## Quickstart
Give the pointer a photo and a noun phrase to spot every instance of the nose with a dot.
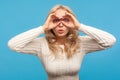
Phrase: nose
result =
(61, 24)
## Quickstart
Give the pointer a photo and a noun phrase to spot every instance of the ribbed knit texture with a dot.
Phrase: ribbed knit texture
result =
(61, 68)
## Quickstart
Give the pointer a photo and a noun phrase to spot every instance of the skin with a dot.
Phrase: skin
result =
(60, 22)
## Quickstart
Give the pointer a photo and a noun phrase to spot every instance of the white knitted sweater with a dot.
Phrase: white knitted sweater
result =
(61, 68)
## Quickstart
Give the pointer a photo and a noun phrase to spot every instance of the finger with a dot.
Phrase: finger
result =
(75, 21)
(48, 21)
(49, 18)
(71, 15)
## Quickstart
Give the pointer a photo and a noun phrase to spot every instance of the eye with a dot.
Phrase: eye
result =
(56, 20)
(66, 20)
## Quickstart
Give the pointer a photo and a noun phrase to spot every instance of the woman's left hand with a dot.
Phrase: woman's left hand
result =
(75, 22)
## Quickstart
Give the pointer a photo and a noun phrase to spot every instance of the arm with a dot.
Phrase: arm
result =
(96, 39)
(26, 42)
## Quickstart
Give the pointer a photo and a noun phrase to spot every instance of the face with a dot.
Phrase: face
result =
(61, 21)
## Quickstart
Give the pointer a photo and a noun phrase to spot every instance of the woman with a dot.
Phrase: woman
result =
(62, 49)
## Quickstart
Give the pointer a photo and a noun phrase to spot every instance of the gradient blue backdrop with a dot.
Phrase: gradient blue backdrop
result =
(17, 16)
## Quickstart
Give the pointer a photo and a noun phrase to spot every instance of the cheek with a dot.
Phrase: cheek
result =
(55, 31)
(66, 30)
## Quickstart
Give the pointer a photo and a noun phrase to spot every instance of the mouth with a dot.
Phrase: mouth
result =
(60, 31)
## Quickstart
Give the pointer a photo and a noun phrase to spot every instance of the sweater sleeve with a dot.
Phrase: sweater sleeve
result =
(26, 42)
(95, 39)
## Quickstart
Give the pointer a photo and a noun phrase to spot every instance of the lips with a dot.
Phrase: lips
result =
(60, 31)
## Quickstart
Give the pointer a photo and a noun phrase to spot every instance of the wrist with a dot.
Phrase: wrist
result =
(44, 28)
(41, 28)
(80, 27)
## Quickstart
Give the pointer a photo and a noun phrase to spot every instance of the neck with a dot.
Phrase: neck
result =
(61, 40)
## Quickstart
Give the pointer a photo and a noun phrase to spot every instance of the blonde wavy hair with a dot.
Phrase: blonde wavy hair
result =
(71, 42)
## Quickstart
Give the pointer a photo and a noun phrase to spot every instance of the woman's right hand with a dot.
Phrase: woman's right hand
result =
(49, 23)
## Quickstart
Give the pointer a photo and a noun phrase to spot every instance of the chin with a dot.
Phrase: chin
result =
(61, 35)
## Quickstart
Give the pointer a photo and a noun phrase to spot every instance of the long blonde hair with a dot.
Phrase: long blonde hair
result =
(72, 41)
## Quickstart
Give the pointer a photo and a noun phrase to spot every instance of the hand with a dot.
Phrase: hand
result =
(68, 22)
(74, 20)
(49, 23)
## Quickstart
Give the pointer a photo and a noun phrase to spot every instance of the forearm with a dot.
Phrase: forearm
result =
(103, 38)
(24, 38)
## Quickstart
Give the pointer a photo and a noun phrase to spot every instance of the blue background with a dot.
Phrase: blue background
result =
(17, 16)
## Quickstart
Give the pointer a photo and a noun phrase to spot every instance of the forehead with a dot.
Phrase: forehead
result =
(60, 13)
